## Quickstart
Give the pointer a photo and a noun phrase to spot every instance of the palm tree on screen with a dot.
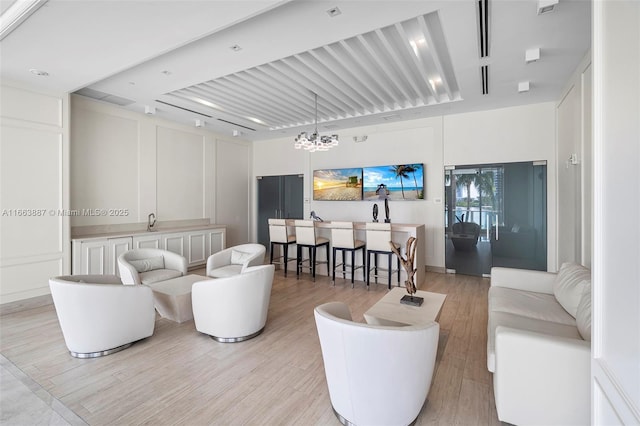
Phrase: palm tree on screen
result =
(400, 172)
(413, 168)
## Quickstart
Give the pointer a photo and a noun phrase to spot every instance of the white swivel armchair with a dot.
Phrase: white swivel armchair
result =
(234, 308)
(100, 316)
(376, 375)
(149, 265)
(234, 260)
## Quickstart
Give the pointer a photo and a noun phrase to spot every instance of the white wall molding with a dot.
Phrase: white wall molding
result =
(34, 152)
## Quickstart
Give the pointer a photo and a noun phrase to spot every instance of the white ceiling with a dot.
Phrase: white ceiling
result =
(360, 63)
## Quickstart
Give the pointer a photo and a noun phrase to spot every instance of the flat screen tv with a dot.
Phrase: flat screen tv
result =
(337, 184)
(395, 182)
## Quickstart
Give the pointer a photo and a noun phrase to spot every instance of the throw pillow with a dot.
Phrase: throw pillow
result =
(583, 315)
(239, 257)
(569, 285)
(150, 264)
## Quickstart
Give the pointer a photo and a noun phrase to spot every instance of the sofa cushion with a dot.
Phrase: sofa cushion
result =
(225, 271)
(583, 314)
(158, 275)
(528, 304)
(240, 257)
(569, 285)
(146, 265)
(523, 323)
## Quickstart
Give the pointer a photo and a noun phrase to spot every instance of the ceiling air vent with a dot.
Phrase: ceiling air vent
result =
(484, 71)
(102, 96)
(182, 108)
(483, 27)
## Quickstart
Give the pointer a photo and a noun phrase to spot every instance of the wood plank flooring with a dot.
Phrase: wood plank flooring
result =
(179, 376)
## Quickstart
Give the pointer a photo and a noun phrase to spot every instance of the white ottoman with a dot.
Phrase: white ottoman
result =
(172, 298)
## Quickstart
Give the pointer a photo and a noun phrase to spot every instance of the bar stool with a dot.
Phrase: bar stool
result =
(306, 237)
(279, 235)
(343, 238)
(378, 239)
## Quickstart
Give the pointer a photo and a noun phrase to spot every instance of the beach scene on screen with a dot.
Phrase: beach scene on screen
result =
(337, 184)
(394, 182)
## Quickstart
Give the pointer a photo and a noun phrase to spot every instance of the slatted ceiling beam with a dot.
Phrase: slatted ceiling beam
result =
(419, 66)
(294, 87)
(322, 79)
(349, 56)
(257, 107)
(259, 92)
(354, 88)
(408, 60)
(385, 68)
(328, 54)
(279, 91)
(331, 92)
(438, 64)
(400, 96)
(396, 58)
(230, 110)
(299, 91)
(231, 102)
(332, 109)
(349, 95)
(367, 69)
(366, 74)
(341, 76)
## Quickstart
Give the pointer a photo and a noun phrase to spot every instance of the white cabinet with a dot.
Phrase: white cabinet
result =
(196, 248)
(174, 243)
(93, 257)
(100, 255)
(150, 240)
(117, 246)
(216, 241)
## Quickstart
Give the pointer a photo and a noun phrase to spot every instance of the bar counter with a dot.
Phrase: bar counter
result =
(400, 233)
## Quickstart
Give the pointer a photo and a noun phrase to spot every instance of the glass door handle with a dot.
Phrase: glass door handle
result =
(497, 235)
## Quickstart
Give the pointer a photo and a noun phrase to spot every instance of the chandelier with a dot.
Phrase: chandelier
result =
(315, 142)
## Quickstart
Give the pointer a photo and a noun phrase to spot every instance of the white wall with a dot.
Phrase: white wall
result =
(417, 141)
(524, 133)
(574, 180)
(143, 164)
(616, 239)
(34, 191)
(505, 135)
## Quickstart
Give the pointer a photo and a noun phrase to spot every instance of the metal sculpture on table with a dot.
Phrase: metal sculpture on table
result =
(408, 265)
(386, 211)
(315, 217)
(375, 212)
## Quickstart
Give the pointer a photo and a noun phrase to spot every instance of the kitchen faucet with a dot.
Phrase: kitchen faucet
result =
(151, 222)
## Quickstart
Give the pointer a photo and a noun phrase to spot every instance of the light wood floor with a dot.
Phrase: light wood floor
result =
(179, 376)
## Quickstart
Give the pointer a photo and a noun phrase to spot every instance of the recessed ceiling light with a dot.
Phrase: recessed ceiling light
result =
(415, 43)
(334, 11)
(257, 120)
(532, 55)
(236, 48)
(39, 72)
(204, 102)
(545, 6)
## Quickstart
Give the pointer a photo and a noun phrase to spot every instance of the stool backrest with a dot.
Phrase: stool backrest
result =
(306, 232)
(342, 234)
(378, 236)
(278, 231)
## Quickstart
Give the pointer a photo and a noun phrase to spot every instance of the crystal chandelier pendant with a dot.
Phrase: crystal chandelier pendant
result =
(315, 142)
